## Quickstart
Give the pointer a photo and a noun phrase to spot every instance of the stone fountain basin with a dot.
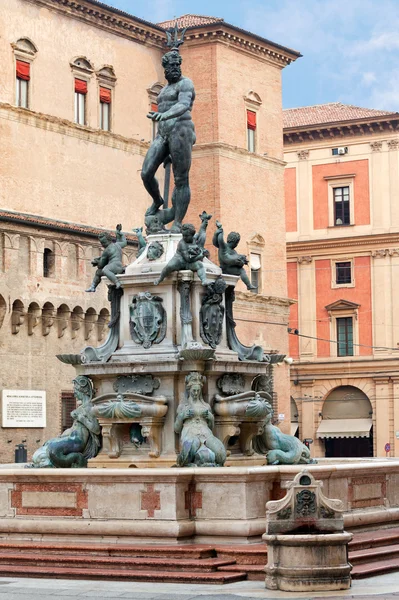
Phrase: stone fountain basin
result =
(308, 562)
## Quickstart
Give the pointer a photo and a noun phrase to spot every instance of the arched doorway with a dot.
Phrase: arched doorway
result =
(346, 426)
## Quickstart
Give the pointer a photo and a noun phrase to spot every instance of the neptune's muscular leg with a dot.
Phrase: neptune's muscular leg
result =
(181, 142)
(155, 156)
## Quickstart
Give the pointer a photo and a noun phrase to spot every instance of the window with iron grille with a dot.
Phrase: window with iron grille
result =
(68, 404)
(345, 336)
(341, 206)
(343, 272)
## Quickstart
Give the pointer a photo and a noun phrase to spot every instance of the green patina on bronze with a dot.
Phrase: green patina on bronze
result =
(79, 443)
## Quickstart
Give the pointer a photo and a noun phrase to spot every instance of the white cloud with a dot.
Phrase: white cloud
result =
(368, 78)
(350, 54)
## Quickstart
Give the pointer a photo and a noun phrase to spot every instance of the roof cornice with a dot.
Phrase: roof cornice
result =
(106, 17)
(362, 243)
(221, 31)
(119, 22)
(340, 129)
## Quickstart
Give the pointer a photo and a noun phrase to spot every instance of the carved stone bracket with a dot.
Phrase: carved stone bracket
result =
(393, 144)
(303, 154)
(381, 253)
(152, 430)
(376, 146)
(304, 259)
(226, 428)
(48, 316)
(112, 441)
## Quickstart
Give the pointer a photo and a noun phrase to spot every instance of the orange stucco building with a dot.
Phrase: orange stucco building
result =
(341, 194)
(77, 80)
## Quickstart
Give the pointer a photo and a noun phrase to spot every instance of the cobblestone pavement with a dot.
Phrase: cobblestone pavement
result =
(375, 588)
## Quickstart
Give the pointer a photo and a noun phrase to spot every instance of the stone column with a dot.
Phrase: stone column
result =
(379, 192)
(382, 413)
(307, 307)
(304, 195)
(393, 146)
(394, 331)
(395, 448)
(382, 302)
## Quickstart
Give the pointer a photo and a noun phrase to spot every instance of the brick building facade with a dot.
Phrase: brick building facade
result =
(342, 183)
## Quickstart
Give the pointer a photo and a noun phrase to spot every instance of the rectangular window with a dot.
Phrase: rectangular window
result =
(80, 101)
(105, 109)
(345, 336)
(341, 206)
(22, 84)
(255, 266)
(343, 272)
(251, 129)
(68, 404)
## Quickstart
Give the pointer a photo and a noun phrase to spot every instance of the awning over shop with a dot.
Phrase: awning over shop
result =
(344, 428)
(294, 428)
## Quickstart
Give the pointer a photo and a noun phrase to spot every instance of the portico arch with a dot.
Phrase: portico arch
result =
(346, 426)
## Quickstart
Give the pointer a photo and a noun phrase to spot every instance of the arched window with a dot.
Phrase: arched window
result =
(48, 263)
(106, 81)
(82, 70)
(24, 52)
(252, 104)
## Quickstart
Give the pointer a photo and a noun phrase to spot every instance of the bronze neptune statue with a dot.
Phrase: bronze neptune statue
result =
(174, 142)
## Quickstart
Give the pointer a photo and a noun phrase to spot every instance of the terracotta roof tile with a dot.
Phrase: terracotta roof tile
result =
(328, 113)
(189, 21)
(53, 224)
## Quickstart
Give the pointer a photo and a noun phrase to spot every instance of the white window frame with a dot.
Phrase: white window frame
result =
(105, 107)
(338, 182)
(22, 93)
(252, 262)
(80, 108)
(251, 139)
(343, 314)
(334, 284)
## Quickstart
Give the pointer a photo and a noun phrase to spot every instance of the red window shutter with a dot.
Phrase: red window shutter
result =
(251, 120)
(80, 86)
(105, 95)
(23, 70)
(154, 107)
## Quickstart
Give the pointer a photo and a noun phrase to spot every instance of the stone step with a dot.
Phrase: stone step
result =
(253, 572)
(114, 562)
(97, 549)
(369, 555)
(251, 554)
(370, 539)
(375, 568)
(217, 577)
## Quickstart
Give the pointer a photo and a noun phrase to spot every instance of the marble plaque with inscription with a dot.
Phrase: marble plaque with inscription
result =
(24, 408)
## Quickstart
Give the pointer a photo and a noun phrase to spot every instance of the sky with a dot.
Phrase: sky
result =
(350, 48)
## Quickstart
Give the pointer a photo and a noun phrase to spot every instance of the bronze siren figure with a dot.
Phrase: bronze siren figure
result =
(173, 142)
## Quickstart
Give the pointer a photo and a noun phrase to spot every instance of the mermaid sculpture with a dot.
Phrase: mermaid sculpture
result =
(279, 447)
(80, 442)
(194, 422)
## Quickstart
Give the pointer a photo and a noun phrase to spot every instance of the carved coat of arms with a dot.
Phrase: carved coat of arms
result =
(147, 319)
(212, 313)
